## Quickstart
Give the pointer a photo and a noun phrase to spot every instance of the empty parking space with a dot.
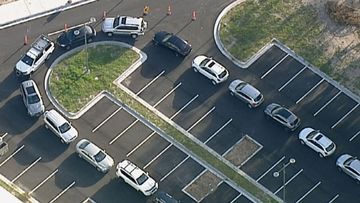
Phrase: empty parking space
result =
(225, 139)
(223, 193)
(349, 124)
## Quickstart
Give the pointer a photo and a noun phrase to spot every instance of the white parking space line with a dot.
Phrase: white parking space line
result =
(308, 92)
(291, 79)
(222, 127)
(62, 192)
(273, 166)
(158, 155)
(354, 136)
(272, 68)
(11, 155)
(171, 91)
(182, 108)
(193, 180)
(327, 103)
(42, 182)
(341, 119)
(237, 197)
(87, 200)
(26, 169)
(151, 82)
(124, 131)
(292, 178)
(3, 136)
(308, 192)
(198, 121)
(104, 121)
(172, 170)
(334, 198)
(141, 143)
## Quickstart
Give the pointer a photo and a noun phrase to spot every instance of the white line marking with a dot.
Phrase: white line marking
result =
(26, 169)
(345, 116)
(307, 93)
(193, 180)
(3, 136)
(104, 121)
(327, 103)
(273, 166)
(87, 200)
(251, 156)
(141, 143)
(11, 155)
(172, 170)
(158, 155)
(124, 131)
(308, 192)
(334, 198)
(353, 137)
(42, 182)
(153, 80)
(62, 192)
(222, 127)
(291, 79)
(292, 178)
(171, 91)
(182, 108)
(237, 197)
(267, 72)
(198, 121)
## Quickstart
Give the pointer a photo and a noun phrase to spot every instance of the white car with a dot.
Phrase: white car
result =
(136, 177)
(60, 126)
(210, 69)
(350, 165)
(94, 155)
(124, 25)
(317, 141)
(246, 93)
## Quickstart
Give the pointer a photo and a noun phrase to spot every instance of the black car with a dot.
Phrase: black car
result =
(163, 197)
(76, 36)
(173, 42)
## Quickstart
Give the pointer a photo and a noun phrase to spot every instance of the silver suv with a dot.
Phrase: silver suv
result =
(350, 165)
(283, 116)
(32, 98)
(317, 141)
(124, 25)
(246, 93)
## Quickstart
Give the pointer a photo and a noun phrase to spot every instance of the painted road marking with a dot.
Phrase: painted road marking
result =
(157, 156)
(42, 182)
(272, 68)
(353, 137)
(182, 108)
(237, 197)
(88, 200)
(141, 143)
(222, 127)
(3, 136)
(164, 97)
(291, 79)
(327, 103)
(172, 170)
(341, 119)
(308, 192)
(26, 169)
(62, 192)
(11, 155)
(187, 185)
(199, 120)
(292, 178)
(124, 131)
(273, 166)
(104, 121)
(152, 81)
(334, 198)
(307, 93)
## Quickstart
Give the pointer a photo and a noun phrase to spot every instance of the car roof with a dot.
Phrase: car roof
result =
(55, 116)
(128, 20)
(132, 169)
(355, 164)
(250, 91)
(91, 148)
(216, 68)
(29, 87)
(180, 43)
(322, 139)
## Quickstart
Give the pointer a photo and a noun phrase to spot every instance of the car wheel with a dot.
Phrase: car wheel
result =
(213, 82)
(302, 142)
(339, 168)
(155, 42)
(358, 182)
(62, 141)
(97, 168)
(134, 36)
(90, 39)
(249, 105)
(321, 155)
(67, 47)
(79, 155)
(46, 126)
(231, 93)
(176, 54)
(195, 70)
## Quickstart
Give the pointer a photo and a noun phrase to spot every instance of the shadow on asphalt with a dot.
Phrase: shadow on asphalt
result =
(8, 86)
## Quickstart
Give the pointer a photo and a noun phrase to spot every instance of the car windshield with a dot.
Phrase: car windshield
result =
(64, 127)
(142, 179)
(27, 60)
(167, 37)
(100, 156)
(348, 161)
(312, 134)
(33, 99)
(283, 112)
(222, 74)
(116, 21)
(295, 121)
(258, 98)
(330, 147)
(240, 86)
(205, 61)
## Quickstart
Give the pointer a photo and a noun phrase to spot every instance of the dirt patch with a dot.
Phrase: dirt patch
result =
(242, 151)
(203, 185)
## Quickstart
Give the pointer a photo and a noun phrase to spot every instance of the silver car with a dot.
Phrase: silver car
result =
(246, 93)
(283, 116)
(317, 141)
(32, 98)
(350, 165)
(94, 155)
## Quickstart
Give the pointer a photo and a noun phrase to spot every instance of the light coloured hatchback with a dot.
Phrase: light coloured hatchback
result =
(317, 141)
(60, 126)
(94, 155)
(32, 98)
(350, 165)
(283, 116)
(246, 93)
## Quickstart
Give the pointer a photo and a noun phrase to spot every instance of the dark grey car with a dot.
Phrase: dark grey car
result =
(283, 116)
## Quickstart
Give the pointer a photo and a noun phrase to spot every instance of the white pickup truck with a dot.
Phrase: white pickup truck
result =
(40, 50)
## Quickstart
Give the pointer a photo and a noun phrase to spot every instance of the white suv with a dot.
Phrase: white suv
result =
(210, 69)
(317, 141)
(124, 25)
(136, 177)
(60, 126)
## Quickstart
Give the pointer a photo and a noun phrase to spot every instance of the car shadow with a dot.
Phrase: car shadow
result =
(8, 86)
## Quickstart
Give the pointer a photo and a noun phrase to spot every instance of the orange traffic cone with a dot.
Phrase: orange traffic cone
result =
(25, 39)
(146, 10)
(193, 16)
(65, 27)
(168, 11)
(104, 15)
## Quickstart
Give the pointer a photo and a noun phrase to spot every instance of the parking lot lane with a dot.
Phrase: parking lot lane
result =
(267, 60)
(315, 194)
(48, 190)
(301, 85)
(175, 103)
(349, 124)
(241, 199)
(166, 162)
(225, 139)
(72, 194)
(223, 193)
